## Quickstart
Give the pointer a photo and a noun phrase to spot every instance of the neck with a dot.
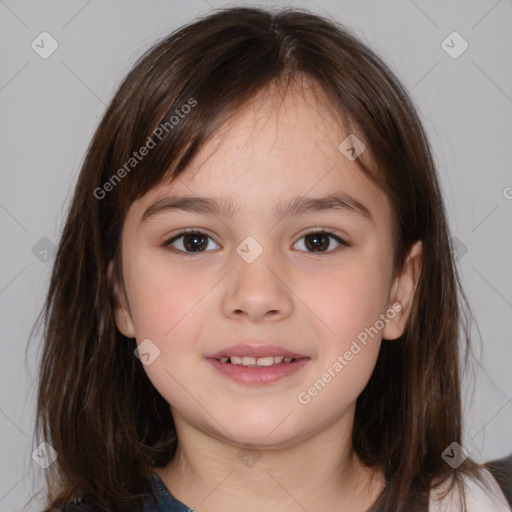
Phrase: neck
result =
(213, 475)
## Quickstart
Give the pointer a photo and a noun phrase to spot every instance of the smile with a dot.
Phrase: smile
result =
(256, 371)
(256, 362)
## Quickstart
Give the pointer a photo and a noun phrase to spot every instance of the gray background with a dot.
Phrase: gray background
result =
(50, 108)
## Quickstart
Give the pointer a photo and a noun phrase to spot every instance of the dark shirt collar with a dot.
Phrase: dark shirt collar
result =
(163, 500)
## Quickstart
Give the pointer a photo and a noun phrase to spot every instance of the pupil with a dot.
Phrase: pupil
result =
(195, 238)
(316, 240)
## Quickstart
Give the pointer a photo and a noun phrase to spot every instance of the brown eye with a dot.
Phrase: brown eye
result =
(190, 241)
(194, 242)
(317, 242)
(320, 241)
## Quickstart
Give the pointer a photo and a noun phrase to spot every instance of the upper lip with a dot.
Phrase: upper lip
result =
(255, 350)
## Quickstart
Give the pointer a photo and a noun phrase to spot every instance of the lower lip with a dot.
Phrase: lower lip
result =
(254, 375)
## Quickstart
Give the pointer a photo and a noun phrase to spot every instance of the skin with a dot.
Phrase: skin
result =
(314, 303)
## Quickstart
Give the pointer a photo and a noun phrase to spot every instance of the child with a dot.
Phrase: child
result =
(254, 304)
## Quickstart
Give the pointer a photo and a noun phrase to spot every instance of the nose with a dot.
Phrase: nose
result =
(259, 290)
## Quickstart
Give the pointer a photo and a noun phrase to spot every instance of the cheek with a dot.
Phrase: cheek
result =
(163, 298)
(349, 304)
(348, 357)
(163, 304)
(349, 301)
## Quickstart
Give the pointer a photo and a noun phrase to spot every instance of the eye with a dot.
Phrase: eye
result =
(319, 240)
(193, 241)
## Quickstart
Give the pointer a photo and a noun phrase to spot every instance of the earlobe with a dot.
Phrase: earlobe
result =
(403, 292)
(122, 315)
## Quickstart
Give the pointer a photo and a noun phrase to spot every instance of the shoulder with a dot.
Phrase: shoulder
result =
(72, 508)
(487, 497)
(75, 507)
(157, 498)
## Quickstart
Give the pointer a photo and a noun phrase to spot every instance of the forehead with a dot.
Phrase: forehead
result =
(281, 144)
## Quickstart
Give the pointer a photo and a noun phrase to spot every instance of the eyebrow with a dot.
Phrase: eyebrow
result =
(224, 207)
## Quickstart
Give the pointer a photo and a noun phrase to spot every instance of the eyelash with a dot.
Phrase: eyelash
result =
(180, 234)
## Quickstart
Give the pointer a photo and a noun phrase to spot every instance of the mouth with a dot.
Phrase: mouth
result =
(257, 362)
(253, 364)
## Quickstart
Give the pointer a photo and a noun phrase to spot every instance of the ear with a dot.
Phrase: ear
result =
(402, 293)
(122, 315)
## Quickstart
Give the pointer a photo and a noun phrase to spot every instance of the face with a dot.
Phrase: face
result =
(310, 281)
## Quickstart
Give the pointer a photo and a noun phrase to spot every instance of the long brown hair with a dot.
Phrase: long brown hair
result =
(96, 406)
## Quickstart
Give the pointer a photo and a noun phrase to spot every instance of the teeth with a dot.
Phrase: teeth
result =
(246, 361)
(256, 361)
(264, 361)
